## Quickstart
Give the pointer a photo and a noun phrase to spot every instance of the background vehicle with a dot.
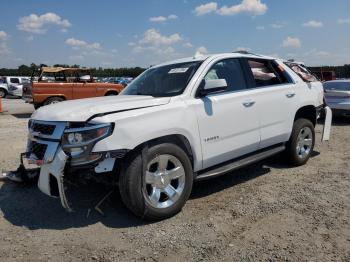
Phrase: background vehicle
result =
(326, 75)
(56, 84)
(337, 95)
(12, 85)
(179, 122)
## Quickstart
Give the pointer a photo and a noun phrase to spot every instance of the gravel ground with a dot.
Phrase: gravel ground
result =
(267, 212)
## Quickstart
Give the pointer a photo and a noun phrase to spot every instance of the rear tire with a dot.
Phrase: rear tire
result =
(3, 93)
(164, 188)
(301, 143)
(53, 100)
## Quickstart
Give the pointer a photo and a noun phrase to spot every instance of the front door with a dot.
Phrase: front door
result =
(228, 121)
(84, 90)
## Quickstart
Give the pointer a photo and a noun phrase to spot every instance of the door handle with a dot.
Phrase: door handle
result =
(290, 95)
(248, 103)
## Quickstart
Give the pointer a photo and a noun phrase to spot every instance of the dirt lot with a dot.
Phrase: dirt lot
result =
(264, 212)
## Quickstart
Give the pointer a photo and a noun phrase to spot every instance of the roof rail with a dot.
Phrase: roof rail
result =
(244, 52)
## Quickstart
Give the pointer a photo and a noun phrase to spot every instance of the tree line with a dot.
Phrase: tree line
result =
(25, 70)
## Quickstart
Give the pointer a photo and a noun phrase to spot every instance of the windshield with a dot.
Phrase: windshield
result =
(169, 80)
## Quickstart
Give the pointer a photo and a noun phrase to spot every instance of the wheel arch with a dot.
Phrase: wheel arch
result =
(177, 139)
(307, 112)
(60, 96)
(111, 92)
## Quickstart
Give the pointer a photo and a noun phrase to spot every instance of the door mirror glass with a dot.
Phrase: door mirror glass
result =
(85, 78)
(212, 86)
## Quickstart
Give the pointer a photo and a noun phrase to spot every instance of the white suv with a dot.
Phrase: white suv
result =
(177, 123)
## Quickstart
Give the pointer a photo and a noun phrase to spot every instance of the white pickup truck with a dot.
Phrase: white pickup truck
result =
(177, 123)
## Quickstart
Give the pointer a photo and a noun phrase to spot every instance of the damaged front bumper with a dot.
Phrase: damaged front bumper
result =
(51, 178)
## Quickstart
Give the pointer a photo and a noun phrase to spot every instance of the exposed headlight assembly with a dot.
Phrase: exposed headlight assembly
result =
(78, 142)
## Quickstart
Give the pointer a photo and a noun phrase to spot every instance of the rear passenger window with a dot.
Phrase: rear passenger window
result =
(14, 80)
(231, 71)
(267, 73)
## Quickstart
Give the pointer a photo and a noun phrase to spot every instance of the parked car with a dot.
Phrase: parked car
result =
(57, 84)
(337, 95)
(177, 123)
(12, 81)
(325, 75)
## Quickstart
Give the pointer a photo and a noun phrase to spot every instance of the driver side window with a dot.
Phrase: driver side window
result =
(231, 71)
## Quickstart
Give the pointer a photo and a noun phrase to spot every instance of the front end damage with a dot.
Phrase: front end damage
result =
(59, 148)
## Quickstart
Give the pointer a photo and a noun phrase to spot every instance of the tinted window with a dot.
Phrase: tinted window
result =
(267, 73)
(14, 80)
(169, 80)
(231, 71)
(341, 86)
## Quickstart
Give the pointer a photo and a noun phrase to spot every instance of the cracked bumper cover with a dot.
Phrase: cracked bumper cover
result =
(54, 170)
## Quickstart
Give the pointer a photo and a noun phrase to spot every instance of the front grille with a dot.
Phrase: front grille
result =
(44, 129)
(38, 149)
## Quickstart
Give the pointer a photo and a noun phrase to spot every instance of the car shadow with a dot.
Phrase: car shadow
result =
(24, 204)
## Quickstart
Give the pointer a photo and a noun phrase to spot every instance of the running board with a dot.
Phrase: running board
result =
(238, 163)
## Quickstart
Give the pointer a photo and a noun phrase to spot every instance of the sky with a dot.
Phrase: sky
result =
(128, 33)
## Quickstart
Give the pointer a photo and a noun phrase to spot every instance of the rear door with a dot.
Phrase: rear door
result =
(276, 102)
(228, 121)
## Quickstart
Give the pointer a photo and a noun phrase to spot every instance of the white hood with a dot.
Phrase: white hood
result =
(82, 109)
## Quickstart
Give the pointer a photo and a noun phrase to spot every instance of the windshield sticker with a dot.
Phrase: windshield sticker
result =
(178, 70)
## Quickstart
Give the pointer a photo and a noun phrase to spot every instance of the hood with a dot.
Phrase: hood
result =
(83, 109)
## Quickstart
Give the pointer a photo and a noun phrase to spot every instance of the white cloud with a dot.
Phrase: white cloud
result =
(202, 50)
(188, 45)
(292, 42)
(3, 35)
(77, 44)
(260, 27)
(131, 44)
(206, 8)
(313, 24)
(344, 21)
(38, 23)
(156, 50)
(153, 37)
(172, 17)
(254, 7)
(277, 25)
(241, 48)
(160, 19)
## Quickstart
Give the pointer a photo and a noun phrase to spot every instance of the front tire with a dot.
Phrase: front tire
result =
(53, 100)
(301, 143)
(163, 188)
(3, 93)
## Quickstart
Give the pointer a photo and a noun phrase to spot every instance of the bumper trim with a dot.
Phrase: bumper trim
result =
(56, 169)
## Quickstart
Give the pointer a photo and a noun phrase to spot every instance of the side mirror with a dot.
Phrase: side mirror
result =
(85, 78)
(212, 86)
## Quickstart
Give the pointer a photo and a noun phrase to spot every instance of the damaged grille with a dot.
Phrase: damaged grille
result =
(38, 149)
(43, 128)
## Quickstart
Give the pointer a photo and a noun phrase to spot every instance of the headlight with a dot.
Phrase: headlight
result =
(82, 136)
(79, 142)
